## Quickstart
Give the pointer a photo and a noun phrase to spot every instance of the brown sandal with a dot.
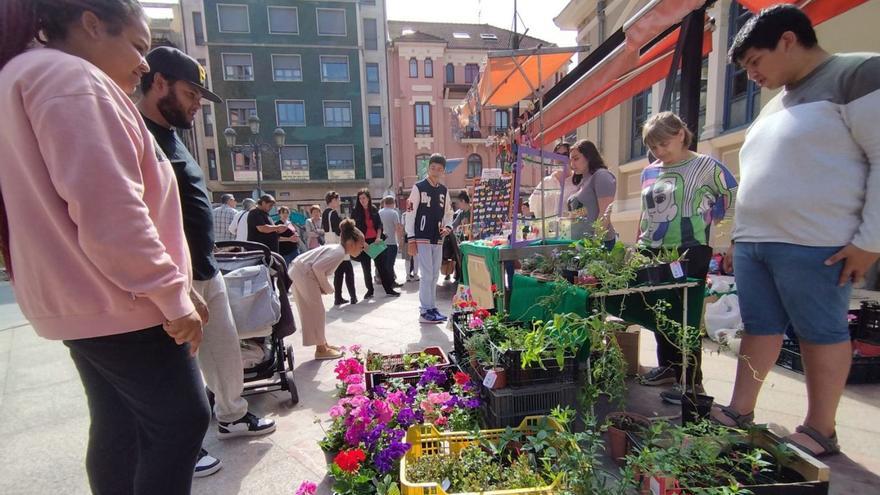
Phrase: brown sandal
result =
(742, 421)
(829, 444)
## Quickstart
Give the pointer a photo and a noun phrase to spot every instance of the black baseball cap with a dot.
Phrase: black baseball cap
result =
(175, 64)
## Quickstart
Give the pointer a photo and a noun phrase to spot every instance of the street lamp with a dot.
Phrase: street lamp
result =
(255, 146)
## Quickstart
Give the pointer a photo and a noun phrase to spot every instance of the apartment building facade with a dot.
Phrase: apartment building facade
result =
(729, 102)
(432, 67)
(314, 69)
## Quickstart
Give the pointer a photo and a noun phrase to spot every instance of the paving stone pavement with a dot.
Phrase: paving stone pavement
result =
(44, 418)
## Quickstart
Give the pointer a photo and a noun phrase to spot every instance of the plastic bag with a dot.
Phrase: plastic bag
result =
(723, 319)
(551, 189)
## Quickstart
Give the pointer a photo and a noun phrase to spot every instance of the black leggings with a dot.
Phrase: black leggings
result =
(148, 411)
(344, 270)
(668, 354)
(385, 277)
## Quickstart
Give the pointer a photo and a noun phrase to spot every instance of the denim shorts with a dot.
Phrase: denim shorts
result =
(787, 286)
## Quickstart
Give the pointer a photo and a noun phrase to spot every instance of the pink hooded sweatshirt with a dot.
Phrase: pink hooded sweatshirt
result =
(97, 241)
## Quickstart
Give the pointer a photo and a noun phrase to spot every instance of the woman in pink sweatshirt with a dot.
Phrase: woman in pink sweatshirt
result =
(92, 236)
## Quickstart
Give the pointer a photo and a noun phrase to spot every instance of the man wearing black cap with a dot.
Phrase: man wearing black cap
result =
(173, 90)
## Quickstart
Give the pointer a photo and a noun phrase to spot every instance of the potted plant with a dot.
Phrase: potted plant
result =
(621, 424)
(477, 347)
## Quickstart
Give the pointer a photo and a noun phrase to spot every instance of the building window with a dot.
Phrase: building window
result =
(212, 164)
(429, 68)
(423, 119)
(377, 163)
(371, 38)
(295, 163)
(373, 78)
(742, 97)
(208, 120)
(233, 18)
(287, 68)
(450, 74)
(239, 111)
(238, 66)
(334, 68)
(331, 22)
(340, 162)
(413, 68)
(290, 113)
(422, 165)
(283, 20)
(337, 114)
(641, 109)
(244, 162)
(675, 102)
(474, 166)
(471, 73)
(198, 28)
(375, 120)
(501, 121)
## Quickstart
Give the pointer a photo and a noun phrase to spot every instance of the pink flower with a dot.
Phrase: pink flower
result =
(350, 379)
(383, 411)
(476, 322)
(427, 406)
(355, 389)
(307, 488)
(441, 421)
(359, 401)
(396, 398)
(441, 398)
(355, 349)
(337, 411)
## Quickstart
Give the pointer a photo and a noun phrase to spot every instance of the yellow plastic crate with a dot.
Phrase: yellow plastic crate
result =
(426, 440)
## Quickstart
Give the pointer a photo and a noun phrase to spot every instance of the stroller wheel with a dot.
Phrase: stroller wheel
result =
(288, 384)
(210, 396)
(289, 350)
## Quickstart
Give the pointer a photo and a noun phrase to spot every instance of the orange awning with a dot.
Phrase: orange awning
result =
(624, 73)
(624, 70)
(818, 10)
(502, 84)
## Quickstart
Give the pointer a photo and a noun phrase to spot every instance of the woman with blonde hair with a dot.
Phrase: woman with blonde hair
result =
(310, 272)
(683, 194)
(314, 232)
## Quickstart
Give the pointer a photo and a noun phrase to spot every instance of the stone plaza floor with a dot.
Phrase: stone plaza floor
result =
(44, 417)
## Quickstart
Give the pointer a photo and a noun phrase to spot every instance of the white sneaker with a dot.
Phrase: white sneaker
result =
(206, 465)
(249, 426)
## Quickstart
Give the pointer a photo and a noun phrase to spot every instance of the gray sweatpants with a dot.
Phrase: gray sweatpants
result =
(429, 258)
(220, 354)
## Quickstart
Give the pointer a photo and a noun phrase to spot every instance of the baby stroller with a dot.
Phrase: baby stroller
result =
(275, 370)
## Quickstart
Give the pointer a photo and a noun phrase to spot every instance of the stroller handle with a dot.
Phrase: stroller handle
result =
(248, 246)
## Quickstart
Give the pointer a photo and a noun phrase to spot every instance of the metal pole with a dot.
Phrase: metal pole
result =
(258, 154)
(541, 153)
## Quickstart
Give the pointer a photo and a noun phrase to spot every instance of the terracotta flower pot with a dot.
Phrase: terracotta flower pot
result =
(621, 423)
(500, 376)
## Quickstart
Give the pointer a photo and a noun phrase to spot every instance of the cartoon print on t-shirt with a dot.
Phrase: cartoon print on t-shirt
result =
(661, 207)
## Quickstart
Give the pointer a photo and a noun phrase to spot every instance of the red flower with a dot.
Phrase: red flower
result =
(461, 377)
(350, 460)
(482, 313)
(494, 288)
(473, 304)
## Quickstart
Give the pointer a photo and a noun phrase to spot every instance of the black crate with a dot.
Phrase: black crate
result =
(535, 374)
(863, 369)
(508, 406)
(867, 325)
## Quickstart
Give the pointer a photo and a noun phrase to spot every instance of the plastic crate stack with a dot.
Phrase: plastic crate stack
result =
(864, 325)
(533, 391)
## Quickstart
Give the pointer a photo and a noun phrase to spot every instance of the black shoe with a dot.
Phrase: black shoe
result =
(206, 465)
(397, 285)
(354, 300)
(368, 295)
(248, 425)
(674, 396)
(660, 375)
(393, 293)
(340, 302)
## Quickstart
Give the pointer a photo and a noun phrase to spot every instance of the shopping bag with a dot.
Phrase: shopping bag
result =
(723, 319)
(376, 248)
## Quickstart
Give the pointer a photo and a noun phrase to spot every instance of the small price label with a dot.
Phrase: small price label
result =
(677, 272)
(655, 487)
(489, 381)
(445, 485)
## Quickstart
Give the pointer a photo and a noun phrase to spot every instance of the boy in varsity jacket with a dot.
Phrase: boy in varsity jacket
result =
(430, 219)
